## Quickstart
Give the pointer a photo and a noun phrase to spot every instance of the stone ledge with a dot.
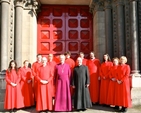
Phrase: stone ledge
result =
(136, 80)
(136, 96)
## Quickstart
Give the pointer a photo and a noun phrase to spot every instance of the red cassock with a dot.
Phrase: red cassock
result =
(104, 76)
(56, 59)
(44, 95)
(71, 63)
(26, 86)
(52, 65)
(13, 95)
(111, 90)
(84, 62)
(35, 67)
(123, 93)
(93, 66)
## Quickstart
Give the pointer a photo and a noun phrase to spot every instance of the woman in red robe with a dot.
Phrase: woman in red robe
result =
(44, 91)
(111, 90)
(13, 95)
(123, 93)
(26, 85)
(94, 66)
(104, 76)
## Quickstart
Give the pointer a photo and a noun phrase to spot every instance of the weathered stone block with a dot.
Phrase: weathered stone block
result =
(2, 84)
(136, 80)
(1, 106)
(2, 95)
(136, 96)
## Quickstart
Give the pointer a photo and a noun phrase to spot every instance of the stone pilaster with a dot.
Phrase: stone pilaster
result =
(128, 40)
(18, 31)
(25, 30)
(4, 33)
(97, 8)
(115, 36)
(120, 27)
(108, 27)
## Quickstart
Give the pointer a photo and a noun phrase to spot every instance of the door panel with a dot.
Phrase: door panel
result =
(64, 28)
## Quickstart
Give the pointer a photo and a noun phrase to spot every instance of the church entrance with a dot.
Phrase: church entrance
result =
(65, 28)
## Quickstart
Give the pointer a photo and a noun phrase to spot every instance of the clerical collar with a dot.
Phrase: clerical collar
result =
(62, 63)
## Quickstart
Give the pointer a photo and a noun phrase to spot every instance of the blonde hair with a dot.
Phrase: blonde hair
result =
(115, 58)
(124, 58)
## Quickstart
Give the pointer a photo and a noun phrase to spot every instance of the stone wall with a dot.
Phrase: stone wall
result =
(29, 36)
(99, 34)
(0, 32)
(2, 90)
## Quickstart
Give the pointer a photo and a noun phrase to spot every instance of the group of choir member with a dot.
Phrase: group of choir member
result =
(91, 82)
(115, 85)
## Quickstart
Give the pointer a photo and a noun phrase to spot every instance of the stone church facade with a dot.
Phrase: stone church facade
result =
(116, 30)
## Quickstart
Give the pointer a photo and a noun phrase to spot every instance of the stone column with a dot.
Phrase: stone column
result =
(4, 34)
(108, 28)
(18, 32)
(134, 36)
(136, 77)
(99, 44)
(120, 26)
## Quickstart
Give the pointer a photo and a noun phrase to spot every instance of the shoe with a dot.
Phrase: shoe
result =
(116, 107)
(83, 109)
(123, 109)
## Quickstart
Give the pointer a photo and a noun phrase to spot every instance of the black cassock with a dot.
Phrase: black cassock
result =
(81, 94)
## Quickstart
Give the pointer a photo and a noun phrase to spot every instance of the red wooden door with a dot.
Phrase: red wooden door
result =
(64, 28)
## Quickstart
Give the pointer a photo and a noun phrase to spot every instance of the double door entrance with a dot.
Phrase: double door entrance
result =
(64, 28)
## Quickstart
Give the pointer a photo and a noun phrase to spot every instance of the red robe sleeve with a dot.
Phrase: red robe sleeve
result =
(127, 73)
(19, 77)
(7, 77)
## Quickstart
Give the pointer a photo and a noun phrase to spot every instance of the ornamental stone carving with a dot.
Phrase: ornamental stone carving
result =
(28, 4)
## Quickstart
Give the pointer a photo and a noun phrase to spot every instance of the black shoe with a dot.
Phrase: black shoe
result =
(95, 103)
(116, 107)
(123, 109)
(83, 109)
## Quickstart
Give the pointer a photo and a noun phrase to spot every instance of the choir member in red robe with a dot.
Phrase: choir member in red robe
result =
(52, 65)
(69, 60)
(56, 59)
(111, 90)
(104, 76)
(84, 61)
(13, 95)
(26, 84)
(123, 93)
(93, 66)
(62, 81)
(71, 63)
(44, 95)
(35, 67)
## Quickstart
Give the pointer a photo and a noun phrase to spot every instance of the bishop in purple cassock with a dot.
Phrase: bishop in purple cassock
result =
(62, 82)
